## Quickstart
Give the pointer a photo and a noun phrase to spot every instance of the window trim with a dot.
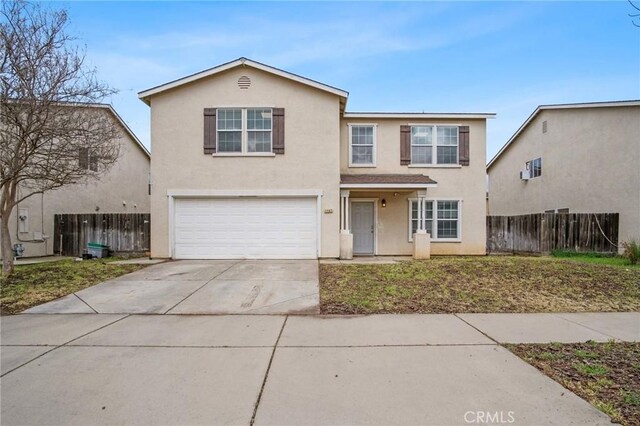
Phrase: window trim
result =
(434, 146)
(434, 226)
(529, 165)
(244, 134)
(375, 143)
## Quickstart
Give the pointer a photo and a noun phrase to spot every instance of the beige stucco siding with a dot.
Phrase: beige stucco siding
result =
(590, 163)
(124, 189)
(467, 184)
(311, 160)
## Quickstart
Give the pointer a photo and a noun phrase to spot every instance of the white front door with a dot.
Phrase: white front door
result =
(245, 228)
(363, 226)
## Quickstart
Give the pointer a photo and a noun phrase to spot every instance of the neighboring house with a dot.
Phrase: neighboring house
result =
(577, 158)
(124, 189)
(250, 161)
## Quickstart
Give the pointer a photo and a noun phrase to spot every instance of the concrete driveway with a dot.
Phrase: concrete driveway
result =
(201, 287)
(270, 370)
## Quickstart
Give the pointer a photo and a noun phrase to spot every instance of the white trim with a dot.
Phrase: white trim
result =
(409, 115)
(559, 106)
(434, 227)
(434, 166)
(374, 201)
(146, 94)
(240, 154)
(374, 153)
(304, 193)
(230, 193)
(388, 185)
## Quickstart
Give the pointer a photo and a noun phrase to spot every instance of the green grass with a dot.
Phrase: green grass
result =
(591, 369)
(478, 284)
(590, 257)
(31, 285)
(605, 374)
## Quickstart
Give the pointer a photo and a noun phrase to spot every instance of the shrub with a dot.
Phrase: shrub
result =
(631, 251)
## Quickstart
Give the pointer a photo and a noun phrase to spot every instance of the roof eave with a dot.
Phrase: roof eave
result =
(413, 115)
(145, 95)
(554, 107)
(387, 185)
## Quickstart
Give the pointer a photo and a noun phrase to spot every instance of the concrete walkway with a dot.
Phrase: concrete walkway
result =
(281, 370)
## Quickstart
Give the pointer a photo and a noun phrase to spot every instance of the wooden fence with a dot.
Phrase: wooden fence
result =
(545, 232)
(122, 232)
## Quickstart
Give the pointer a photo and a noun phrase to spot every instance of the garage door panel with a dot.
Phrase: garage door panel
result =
(266, 228)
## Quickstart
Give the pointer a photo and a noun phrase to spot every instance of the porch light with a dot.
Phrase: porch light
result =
(384, 203)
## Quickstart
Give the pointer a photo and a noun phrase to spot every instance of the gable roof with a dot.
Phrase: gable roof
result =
(123, 124)
(146, 94)
(609, 104)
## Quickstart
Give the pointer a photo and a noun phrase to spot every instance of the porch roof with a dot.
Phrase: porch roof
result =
(387, 181)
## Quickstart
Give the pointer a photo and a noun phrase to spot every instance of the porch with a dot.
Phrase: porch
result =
(384, 215)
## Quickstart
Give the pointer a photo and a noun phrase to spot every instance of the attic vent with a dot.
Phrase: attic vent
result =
(544, 126)
(244, 82)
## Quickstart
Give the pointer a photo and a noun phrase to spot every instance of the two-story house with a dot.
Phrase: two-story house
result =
(254, 162)
(572, 158)
(123, 189)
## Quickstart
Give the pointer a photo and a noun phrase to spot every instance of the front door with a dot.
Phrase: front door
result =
(363, 227)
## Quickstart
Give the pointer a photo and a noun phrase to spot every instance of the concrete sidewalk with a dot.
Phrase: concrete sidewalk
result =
(203, 369)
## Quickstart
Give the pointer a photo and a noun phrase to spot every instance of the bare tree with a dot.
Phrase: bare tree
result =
(635, 17)
(51, 135)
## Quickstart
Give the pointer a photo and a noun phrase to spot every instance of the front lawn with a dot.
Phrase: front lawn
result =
(478, 284)
(31, 285)
(605, 374)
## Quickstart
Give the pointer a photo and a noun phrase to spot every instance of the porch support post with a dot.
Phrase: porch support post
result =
(421, 239)
(346, 238)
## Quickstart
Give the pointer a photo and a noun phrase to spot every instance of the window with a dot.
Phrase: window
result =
(87, 161)
(244, 130)
(421, 144)
(424, 151)
(447, 145)
(535, 168)
(544, 126)
(445, 225)
(362, 149)
(447, 219)
(414, 217)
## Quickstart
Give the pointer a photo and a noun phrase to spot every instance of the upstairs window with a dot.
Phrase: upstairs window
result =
(244, 130)
(535, 168)
(87, 161)
(425, 151)
(362, 145)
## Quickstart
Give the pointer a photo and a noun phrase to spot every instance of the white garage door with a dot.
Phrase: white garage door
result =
(245, 228)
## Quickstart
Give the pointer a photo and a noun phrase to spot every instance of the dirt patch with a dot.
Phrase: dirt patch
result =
(478, 284)
(605, 374)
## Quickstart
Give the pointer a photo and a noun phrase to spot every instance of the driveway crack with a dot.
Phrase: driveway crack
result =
(199, 288)
(82, 300)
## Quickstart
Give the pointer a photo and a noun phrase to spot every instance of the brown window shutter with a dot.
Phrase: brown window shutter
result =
(405, 145)
(463, 145)
(83, 158)
(278, 130)
(209, 130)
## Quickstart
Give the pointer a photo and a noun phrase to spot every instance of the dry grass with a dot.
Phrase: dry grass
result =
(479, 284)
(31, 285)
(605, 374)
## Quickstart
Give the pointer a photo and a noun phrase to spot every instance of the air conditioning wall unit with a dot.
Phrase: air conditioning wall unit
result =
(525, 175)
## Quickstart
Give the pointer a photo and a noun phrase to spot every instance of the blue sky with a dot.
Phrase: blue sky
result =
(503, 57)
